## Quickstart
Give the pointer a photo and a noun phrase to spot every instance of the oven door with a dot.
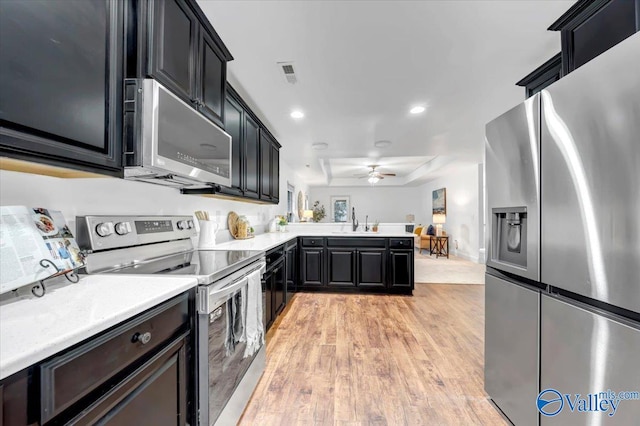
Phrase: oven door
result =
(222, 340)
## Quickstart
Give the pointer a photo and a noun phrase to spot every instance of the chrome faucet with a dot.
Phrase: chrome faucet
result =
(354, 221)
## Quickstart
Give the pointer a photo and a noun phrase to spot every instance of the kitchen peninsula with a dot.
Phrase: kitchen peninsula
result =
(329, 258)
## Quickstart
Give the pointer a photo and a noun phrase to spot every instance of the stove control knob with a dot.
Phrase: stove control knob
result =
(183, 224)
(123, 228)
(189, 224)
(104, 229)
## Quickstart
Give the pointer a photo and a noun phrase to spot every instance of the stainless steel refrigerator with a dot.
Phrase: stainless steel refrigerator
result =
(512, 282)
(563, 180)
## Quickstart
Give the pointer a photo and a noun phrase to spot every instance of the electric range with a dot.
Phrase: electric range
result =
(230, 356)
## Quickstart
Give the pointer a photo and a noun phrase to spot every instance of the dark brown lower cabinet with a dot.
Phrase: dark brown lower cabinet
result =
(278, 276)
(138, 372)
(372, 267)
(311, 266)
(341, 267)
(14, 400)
(274, 285)
(356, 264)
(154, 394)
(401, 269)
(291, 254)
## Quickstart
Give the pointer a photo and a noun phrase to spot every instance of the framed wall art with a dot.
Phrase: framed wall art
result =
(340, 207)
(439, 201)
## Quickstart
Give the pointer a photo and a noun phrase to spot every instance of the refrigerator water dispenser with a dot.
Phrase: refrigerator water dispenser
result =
(510, 236)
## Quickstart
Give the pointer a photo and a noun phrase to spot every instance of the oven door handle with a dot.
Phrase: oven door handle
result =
(205, 296)
(230, 289)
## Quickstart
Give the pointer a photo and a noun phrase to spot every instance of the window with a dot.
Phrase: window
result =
(290, 207)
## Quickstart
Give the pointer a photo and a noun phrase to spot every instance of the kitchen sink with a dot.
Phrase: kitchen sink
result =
(353, 232)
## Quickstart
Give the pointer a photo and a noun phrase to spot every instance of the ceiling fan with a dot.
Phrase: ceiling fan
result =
(374, 176)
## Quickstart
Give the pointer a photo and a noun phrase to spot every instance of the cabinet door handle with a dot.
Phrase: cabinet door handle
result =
(143, 338)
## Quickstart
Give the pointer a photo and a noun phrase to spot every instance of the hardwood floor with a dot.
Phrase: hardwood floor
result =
(370, 359)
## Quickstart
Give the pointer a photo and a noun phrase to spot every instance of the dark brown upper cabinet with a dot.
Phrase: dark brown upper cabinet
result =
(255, 162)
(185, 54)
(543, 76)
(61, 83)
(265, 166)
(212, 68)
(275, 171)
(234, 126)
(269, 167)
(172, 51)
(252, 158)
(245, 147)
(591, 27)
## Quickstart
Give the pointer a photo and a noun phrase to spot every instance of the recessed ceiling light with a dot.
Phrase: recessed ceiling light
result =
(417, 109)
(382, 144)
(297, 114)
(319, 146)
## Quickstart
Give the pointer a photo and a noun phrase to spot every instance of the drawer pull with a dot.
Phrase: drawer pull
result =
(143, 338)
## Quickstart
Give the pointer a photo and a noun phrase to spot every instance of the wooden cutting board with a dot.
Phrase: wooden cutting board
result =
(232, 221)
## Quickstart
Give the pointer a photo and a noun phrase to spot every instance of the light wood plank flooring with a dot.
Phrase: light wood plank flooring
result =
(385, 360)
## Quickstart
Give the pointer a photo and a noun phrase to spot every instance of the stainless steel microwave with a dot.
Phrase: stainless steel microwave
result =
(168, 142)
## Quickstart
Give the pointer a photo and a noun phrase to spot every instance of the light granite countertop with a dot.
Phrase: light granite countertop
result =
(269, 240)
(32, 329)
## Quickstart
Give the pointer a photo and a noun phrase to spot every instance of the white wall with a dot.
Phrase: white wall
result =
(463, 218)
(385, 204)
(76, 197)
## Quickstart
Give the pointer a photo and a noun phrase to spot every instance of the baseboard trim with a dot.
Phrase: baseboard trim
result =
(466, 256)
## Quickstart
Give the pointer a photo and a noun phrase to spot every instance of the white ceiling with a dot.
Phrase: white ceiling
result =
(354, 171)
(361, 65)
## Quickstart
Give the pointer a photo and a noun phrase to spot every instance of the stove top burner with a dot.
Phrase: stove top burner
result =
(206, 265)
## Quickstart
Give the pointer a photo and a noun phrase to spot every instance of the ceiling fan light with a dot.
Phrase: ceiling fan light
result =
(319, 146)
(417, 109)
(382, 144)
(373, 179)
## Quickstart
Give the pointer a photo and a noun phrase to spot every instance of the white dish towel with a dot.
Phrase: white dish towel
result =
(254, 328)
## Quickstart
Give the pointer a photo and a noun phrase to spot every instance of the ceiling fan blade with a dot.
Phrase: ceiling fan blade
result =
(387, 174)
(377, 177)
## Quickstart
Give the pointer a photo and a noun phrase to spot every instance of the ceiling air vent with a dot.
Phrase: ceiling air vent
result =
(289, 72)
